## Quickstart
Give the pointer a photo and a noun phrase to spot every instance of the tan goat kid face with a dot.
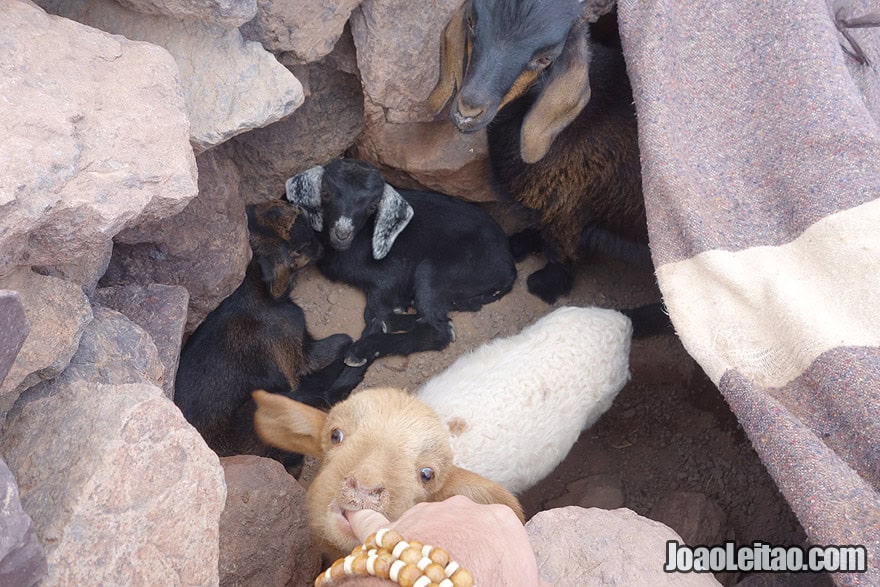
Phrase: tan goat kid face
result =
(381, 449)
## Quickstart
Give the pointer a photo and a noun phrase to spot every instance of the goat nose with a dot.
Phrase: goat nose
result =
(342, 233)
(467, 110)
(363, 495)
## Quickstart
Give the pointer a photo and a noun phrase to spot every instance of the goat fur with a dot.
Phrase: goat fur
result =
(562, 133)
(375, 448)
(515, 406)
(404, 249)
(257, 339)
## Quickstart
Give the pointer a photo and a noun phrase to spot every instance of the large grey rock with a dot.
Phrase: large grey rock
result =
(204, 248)
(264, 534)
(15, 327)
(85, 270)
(22, 562)
(434, 155)
(586, 547)
(308, 28)
(325, 126)
(113, 350)
(398, 54)
(158, 309)
(121, 490)
(595, 491)
(230, 85)
(95, 138)
(228, 14)
(58, 312)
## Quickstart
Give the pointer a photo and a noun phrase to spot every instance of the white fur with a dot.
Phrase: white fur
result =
(526, 398)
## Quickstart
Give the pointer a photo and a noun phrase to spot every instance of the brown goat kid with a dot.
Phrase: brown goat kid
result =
(381, 449)
(561, 129)
(257, 339)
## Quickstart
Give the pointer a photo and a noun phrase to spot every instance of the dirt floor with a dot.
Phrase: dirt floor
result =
(669, 429)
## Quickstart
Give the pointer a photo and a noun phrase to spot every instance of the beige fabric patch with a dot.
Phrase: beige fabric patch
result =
(768, 312)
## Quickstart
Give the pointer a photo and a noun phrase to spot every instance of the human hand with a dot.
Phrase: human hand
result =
(488, 540)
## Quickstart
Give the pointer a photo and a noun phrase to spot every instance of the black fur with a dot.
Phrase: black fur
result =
(255, 340)
(450, 256)
(584, 195)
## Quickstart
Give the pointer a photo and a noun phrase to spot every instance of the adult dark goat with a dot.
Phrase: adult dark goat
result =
(257, 339)
(562, 138)
(447, 255)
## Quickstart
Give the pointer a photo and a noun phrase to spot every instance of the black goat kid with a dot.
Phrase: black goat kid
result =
(257, 339)
(563, 141)
(404, 249)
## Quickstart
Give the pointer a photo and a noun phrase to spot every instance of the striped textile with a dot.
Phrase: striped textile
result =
(761, 159)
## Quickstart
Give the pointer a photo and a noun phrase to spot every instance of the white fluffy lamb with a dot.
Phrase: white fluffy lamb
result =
(515, 406)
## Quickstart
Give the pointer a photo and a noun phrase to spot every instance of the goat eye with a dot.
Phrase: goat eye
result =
(426, 474)
(336, 436)
(541, 62)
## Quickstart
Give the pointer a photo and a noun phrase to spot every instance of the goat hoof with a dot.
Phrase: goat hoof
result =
(549, 283)
(353, 362)
(451, 332)
(384, 327)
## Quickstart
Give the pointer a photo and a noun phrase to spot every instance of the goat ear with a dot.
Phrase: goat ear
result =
(287, 424)
(393, 215)
(453, 59)
(478, 489)
(563, 98)
(304, 191)
(276, 276)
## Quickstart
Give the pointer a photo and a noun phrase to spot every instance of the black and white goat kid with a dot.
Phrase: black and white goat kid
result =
(404, 249)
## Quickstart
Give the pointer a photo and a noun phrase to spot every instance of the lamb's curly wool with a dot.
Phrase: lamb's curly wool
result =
(515, 406)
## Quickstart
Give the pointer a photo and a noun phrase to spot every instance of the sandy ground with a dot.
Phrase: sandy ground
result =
(668, 430)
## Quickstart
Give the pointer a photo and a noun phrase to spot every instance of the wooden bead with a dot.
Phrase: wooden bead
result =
(371, 541)
(390, 540)
(440, 556)
(408, 576)
(321, 580)
(416, 544)
(411, 555)
(434, 572)
(359, 566)
(383, 564)
(337, 571)
(462, 578)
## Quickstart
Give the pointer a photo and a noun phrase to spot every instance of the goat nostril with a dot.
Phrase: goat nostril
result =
(342, 234)
(466, 110)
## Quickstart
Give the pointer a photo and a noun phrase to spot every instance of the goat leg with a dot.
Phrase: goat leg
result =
(525, 243)
(554, 280)
(321, 353)
(424, 337)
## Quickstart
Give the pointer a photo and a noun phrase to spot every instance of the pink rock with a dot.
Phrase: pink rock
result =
(264, 534)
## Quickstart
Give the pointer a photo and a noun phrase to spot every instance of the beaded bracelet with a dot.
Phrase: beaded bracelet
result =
(387, 555)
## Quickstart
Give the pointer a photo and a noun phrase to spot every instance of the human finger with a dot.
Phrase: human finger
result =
(365, 522)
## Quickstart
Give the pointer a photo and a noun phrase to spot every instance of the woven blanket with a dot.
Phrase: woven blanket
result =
(758, 126)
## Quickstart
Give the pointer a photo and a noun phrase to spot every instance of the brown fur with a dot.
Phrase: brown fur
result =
(594, 174)
(257, 338)
(562, 100)
(563, 144)
(388, 438)
(453, 46)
